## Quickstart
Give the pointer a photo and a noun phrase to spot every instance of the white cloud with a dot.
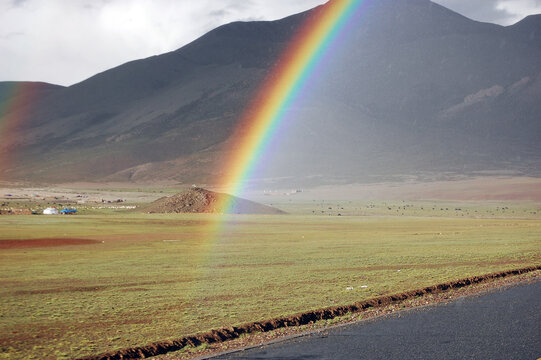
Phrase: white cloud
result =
(503, 12)
(66, 41)
(518, 9)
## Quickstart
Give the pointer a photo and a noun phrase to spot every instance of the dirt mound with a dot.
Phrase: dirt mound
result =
(198, 200)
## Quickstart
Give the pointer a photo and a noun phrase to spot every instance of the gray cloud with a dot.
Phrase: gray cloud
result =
(18, 2)
(218, 13)
(67, 41)
(503, 12)
(10, 35)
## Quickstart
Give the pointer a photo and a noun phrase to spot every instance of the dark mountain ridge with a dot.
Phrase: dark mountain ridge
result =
(411, 87)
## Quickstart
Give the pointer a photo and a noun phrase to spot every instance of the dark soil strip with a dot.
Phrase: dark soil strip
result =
(48, 242)
(229, 333)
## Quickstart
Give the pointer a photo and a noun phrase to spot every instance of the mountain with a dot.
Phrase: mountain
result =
(411, 87)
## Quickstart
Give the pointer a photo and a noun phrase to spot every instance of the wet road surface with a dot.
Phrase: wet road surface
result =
(502, 325)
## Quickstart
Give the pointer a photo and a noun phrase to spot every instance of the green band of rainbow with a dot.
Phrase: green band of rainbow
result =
(296, 66)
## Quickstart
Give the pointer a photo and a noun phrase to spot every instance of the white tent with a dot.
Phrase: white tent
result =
(50, 211)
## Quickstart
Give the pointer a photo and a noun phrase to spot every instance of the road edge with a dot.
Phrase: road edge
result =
(297, 320)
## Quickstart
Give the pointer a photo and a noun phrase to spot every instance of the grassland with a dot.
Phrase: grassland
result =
(146, 277)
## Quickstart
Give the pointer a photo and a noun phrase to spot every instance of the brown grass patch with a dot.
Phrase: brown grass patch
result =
(145, 237)
(228, 266)
(128, 287)
(134, 289)
(424, 266)
(221, 298)
(62, 290)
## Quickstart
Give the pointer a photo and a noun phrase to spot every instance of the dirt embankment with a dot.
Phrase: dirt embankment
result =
(229, 333)
(198, 200)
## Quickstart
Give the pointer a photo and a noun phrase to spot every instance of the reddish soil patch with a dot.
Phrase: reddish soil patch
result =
(46, 242)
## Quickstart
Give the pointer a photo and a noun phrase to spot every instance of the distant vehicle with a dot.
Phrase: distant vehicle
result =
(67, 211)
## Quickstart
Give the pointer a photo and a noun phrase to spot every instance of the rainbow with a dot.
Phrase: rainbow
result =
(299, 62)
(14, 101)
(261, 120)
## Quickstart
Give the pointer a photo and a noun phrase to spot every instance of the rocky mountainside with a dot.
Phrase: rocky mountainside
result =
(411, 87)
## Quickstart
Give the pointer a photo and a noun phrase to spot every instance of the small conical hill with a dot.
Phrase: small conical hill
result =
(198, 200)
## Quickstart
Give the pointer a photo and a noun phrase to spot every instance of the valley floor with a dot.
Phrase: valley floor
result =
(111, 278)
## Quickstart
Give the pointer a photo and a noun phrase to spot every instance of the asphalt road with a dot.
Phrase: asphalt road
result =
(501, 325)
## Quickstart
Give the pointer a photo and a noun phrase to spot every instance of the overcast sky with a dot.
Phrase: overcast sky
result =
(67, 41)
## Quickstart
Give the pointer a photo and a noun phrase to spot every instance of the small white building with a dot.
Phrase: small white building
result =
(50, 211)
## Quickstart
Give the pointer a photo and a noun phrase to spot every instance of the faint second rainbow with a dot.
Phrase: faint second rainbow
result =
(15, 99)
(287, 80)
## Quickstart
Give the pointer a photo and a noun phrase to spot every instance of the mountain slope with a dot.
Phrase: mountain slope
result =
(18, 95)
(412, 87)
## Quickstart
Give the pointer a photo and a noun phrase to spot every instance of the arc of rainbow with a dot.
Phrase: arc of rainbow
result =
(298, 63)
(262, 118)
(13, 115)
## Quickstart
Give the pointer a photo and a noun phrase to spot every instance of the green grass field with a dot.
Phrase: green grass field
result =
(155, 277)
